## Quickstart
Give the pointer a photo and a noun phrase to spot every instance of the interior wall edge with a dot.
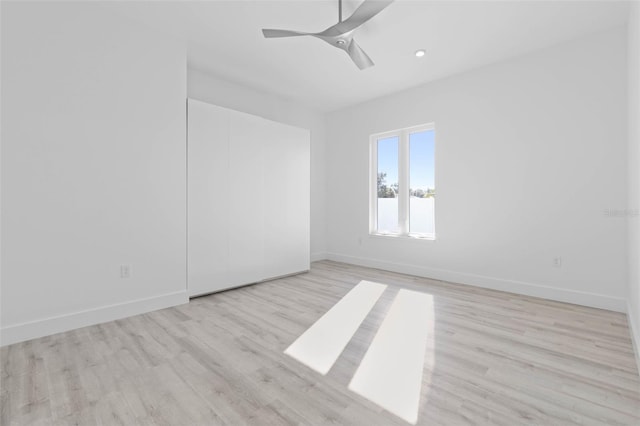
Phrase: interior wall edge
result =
(592, 300)
(47, 326)
(634, 331)
(633, 173)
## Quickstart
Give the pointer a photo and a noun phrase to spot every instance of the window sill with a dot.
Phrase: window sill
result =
(404, 237)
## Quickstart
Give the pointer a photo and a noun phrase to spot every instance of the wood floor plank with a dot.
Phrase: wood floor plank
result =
(495, 358)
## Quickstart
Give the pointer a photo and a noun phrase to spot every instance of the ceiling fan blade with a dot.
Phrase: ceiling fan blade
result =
(361, 59)
(367, 10)
(282, 33)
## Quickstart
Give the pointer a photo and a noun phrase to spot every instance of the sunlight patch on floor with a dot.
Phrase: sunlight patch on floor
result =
(390, 373)
(320, 346)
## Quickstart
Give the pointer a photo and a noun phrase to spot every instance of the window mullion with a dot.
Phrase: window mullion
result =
(403, 184)
(373, 182)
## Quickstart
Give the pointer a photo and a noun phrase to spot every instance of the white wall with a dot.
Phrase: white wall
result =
(208, 88)
(93, 168)
(634, 173)
(529, 154)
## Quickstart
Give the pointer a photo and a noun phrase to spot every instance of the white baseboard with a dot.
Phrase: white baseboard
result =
(528, 289)
(58, 324)
(634, 328)
(318, 256)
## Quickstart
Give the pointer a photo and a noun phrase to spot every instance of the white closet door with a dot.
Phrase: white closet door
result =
(246, 204)
(248, 199)
(286, 208)
(207, 198)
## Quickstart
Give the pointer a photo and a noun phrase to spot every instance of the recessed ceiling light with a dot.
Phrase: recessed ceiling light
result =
(420, 53)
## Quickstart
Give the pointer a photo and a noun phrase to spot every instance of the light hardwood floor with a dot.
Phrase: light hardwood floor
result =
(500, 359)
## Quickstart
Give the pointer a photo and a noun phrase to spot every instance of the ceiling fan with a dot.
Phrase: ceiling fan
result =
(340, 35)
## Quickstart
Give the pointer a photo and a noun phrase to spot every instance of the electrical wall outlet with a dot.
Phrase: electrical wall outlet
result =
(125, 271)
(557, 262)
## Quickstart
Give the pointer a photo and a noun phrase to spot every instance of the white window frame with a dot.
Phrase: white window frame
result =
(403, 182)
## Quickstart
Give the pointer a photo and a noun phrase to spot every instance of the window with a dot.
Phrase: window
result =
(403, 183)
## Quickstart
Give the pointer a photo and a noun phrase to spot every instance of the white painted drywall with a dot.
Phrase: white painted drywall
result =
(209, 88)
(529, 155)
(93, 168)
(633, 203)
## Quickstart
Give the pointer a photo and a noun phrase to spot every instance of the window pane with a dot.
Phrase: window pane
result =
(421, 182)
(388, 185)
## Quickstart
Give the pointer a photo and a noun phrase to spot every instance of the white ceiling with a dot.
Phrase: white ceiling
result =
(224, 38)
